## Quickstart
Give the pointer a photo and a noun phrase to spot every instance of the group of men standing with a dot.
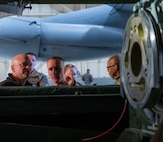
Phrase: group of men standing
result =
(23, 72)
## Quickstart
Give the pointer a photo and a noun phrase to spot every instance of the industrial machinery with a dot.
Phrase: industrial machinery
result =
(47, 114)
(142, 67)
(50, 113)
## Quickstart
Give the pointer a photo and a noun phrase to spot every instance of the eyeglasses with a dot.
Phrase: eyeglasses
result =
(108, 67)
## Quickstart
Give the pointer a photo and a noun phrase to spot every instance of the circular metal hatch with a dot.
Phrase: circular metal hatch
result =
(140, 76)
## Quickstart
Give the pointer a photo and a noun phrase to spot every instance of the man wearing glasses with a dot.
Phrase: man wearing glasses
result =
(113, 68)
(20, 71)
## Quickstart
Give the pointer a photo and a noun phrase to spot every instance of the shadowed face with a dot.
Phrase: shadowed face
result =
(33, 60)
(68, 76)
(71, 71)
(75, 73)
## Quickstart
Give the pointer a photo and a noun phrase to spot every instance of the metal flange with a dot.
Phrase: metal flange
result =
(140, 76)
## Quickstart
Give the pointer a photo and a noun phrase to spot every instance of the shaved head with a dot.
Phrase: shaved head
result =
(18, 58)
(21, 67)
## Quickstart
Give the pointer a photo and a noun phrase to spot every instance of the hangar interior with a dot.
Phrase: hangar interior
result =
(97, 66)
(144, 96)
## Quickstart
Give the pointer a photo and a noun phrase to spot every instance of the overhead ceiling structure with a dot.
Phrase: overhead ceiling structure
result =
(16, 7)
(71, 1)
(44, 10)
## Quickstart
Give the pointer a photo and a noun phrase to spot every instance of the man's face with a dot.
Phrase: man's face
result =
(111, 68)
(55, 70)
(33, 60)
(68, 75)
(21, 68)
(75, 73)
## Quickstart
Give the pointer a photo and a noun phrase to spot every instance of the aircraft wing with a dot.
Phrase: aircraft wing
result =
(84, 34)
(114, 15)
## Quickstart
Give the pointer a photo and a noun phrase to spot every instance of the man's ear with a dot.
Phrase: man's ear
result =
(117, 67)
(12, 68)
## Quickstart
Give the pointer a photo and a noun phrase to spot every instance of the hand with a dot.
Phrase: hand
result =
(69, 80)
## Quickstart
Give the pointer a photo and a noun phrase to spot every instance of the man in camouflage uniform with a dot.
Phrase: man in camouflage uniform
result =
(36, 78)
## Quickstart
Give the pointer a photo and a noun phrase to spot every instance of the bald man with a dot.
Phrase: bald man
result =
(20, 71)
(113, 68)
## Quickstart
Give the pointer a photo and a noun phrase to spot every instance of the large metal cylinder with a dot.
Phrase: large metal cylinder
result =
(142, 57)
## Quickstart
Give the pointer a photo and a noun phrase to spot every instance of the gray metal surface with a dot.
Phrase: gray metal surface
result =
(140, 70)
